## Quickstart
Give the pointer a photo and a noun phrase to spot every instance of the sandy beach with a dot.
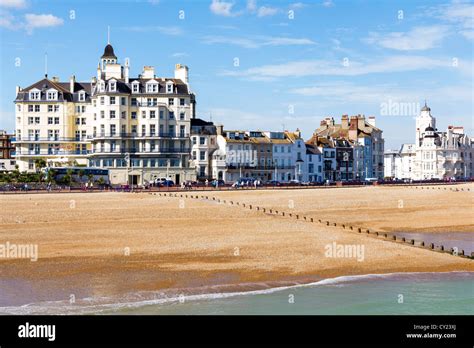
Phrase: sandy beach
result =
(111, 244)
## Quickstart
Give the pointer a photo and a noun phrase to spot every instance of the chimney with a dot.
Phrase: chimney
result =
(181, 73)
(94, 80)
(345, 122)
(72, 81)
(127, 70)
(220, 129)
(55, 79)
(360, 121)
(148, 72)
(371, 121)
(98, 71)
(17, 89)
(298, 133)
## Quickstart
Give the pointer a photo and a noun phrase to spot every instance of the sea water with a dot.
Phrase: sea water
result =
(389, 294)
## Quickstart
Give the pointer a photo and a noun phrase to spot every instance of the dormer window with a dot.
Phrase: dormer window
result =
(35, 95)
(112, 86)
(52, 94)
(152, 87)
(135, 87)
(101, 86)
(169, 87)
(82, 96)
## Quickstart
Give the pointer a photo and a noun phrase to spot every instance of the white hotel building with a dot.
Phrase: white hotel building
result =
(434, 155)
(139, 128)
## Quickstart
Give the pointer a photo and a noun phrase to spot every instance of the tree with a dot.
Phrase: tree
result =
(81, 173)
(39, 164)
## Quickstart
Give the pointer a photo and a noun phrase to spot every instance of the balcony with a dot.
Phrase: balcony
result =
(51, 152)
(143, 151)
(46, 139)
(151, 135)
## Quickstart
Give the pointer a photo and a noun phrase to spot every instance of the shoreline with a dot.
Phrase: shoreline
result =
(110, 305)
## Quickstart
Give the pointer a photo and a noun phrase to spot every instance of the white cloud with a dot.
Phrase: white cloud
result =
(13, 3)
(459, 13)
(30, 23)
(419, 38)
(222, 8)
(356, 93)
(33, 21)
(256, 42)
(179, 54)
(173, 30)
(336, 68)
(328, 3)
(265, 11)
(297, 5)
(251, 5)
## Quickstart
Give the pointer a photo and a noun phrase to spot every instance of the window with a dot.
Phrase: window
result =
(134, 129)
(182, 115)
(194, 140)
(135, 87)
(152, 114)
(194, 155)
(113, 86)
(112, 129)
(30, 108)
(52, 95)
(143, 114)
(82, 96)
(50, 120)
(181, 101)
(112, 113)
(202, 155)
(133, 115)
(169, 88)
(152, 129)
(170, 101)
(112, 100)
(102, 100)
(35, 95)
(102, 114)
(56, 108)
(56, 120)
(123, 101)
(124, 114)
(161, 114)
(78, 120)
(143, 130)
(37, 108)
(171, 114)
(83, 120)
(18, 107)
(37, 120)
(152, 87)
(202, 140)
(50, 108)
(133, 102)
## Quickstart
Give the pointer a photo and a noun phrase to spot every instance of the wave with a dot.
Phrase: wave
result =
(99, 305)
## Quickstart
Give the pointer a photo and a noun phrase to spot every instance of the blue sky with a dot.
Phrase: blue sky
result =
(261, 64)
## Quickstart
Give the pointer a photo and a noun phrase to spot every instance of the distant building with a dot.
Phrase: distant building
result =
(261, 155)
(203, 145)
(7, 151)
(356, 144)
(435, 154)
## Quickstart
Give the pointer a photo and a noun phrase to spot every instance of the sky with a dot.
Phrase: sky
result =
(268, 65)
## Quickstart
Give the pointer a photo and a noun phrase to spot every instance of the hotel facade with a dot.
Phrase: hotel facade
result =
(434, 155)
(139, 128)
